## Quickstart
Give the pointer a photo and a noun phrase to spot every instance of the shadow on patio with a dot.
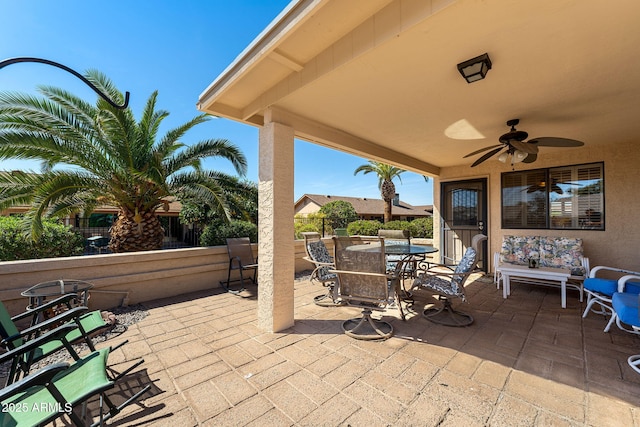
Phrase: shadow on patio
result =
(525, 361)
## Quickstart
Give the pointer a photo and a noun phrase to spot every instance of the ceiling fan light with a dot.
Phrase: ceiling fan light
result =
(503, 157)
(519, 156)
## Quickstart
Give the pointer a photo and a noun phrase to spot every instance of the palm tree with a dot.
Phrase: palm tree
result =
(99, 155)
(385, 173)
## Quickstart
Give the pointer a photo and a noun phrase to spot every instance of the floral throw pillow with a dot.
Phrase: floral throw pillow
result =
(562, 252)
(518, 249)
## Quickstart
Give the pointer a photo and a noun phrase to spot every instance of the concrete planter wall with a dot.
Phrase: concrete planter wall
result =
(129, 278)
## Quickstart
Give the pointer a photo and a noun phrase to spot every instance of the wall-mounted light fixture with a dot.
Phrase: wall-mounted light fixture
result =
(475, 69)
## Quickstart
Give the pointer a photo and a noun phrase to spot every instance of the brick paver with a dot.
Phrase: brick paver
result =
(523, 362)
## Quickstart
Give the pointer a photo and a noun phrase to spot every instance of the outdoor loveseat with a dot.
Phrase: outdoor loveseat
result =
(544, 251)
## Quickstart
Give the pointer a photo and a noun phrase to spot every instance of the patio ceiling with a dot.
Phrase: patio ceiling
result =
(378, 78)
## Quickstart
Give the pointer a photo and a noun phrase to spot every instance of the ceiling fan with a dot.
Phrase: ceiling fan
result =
(514, 145)
(554, 188)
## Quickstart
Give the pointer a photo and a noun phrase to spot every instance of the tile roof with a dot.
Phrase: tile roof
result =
(368, 206)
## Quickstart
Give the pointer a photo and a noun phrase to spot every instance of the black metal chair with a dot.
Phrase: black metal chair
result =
(62, 389)
(88, 324)
(240, 258)
(318, 254)
(447, 285)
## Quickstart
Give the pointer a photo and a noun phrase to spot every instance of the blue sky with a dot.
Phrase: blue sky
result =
(177, 48)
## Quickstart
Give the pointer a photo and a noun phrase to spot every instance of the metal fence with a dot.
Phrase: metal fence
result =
(325, 226)
(96, 234)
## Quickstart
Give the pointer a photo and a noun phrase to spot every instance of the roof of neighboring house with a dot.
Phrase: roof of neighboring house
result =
(367, 206)
(174, 208)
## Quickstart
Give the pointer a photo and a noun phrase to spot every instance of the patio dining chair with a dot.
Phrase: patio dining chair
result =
(240, 258)
(363, 282)
(318, 255)
(447, 284)
(87, 324)
(61, 389)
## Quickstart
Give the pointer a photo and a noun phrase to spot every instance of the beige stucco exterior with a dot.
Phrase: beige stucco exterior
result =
(275, 218)
(129, 278)
(378, 79)
(309, 208)
(617, 245)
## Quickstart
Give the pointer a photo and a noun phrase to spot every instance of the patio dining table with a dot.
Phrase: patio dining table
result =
(39, 293)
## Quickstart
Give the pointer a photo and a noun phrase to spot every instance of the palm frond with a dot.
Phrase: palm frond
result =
(210, 148)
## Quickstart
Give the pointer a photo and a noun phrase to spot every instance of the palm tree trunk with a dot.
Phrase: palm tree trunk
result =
(129, 235)
(387, 210)
(388, 192)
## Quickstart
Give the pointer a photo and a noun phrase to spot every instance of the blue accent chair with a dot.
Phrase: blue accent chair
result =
(600, 291)
(625, 313)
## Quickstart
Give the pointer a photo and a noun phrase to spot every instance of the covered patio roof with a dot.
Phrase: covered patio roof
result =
(378, 78)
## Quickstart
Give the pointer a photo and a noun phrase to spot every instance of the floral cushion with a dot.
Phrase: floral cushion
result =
(558, 252)
(319, 253)
(518, 249)
(440, 284)
(452, 285)
(562, 252)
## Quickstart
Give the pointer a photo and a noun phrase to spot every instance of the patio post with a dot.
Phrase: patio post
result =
(275, 227)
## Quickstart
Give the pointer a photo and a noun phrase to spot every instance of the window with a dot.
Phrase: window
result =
(464, 206)
(101, 220)
(569, 197)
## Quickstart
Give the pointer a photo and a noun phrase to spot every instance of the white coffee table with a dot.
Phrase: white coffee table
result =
(545, 276)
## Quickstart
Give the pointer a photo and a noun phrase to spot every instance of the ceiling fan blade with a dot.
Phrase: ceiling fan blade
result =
(530, 158)
(570, 183)
(550, 141)
(481, 150)
(524, 147)
(486, 156)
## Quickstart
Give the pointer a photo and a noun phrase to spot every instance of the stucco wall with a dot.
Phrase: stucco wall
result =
(618, 245)
(130, 278)
(307, 209)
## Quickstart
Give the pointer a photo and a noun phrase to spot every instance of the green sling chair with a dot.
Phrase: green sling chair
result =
(88, 323)
(61, 389)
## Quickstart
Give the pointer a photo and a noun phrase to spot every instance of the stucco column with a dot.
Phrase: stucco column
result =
(276, 269)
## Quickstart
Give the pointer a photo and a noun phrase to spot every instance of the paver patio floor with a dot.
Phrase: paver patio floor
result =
(524, 362)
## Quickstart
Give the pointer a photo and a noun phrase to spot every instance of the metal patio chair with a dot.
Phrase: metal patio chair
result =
(240, 258)
(624, 307)
(600, 290)
(87, 324)
(363, 282)
(62, 389)
(318, 255)
(447, 285)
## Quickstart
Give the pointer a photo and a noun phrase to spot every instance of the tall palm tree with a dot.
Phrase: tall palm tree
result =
(99, 155)
(385, 173)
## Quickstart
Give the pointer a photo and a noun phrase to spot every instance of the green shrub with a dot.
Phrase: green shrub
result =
(422, 228)
(303, 228)
(310, 222)
(56, 241)
(216, 234)
(338, 214)
(364, 227)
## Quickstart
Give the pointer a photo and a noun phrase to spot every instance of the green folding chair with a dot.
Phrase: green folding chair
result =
(88, 324)
(61, 389)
